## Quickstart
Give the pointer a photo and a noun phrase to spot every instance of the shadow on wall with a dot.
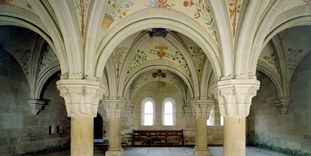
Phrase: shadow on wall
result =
(289, 133)
(20, 131)
(98, 129)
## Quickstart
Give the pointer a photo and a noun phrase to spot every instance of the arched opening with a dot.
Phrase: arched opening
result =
(147, 111)
(169, 112)
(281, 102)
(42, 117)
(98, 129)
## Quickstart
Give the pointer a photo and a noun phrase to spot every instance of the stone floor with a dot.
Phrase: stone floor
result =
(172, 151)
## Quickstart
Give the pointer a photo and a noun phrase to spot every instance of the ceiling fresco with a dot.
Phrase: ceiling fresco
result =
(48, 57)
(197, 9)
(148, 77)
(234, 9)
(269, 56)
(158, 49)
(297, 43)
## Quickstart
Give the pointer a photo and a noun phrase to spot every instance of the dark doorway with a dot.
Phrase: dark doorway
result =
(98, 127)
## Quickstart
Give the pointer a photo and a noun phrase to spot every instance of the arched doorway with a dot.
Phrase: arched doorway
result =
(98, 129)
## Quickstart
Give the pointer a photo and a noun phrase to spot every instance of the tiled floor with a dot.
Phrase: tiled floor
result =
(173, 151)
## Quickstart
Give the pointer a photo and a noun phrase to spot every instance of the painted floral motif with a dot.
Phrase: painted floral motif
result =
(273, 60)
(82, 7)
(294, 57)
(202, 11)
(198, 56)
(160, 51)
(139, 59)
(176, 56)
(160, 4)
(47, 58)
(116, 10)
(234, 9)
(142, 57)
(118, 56)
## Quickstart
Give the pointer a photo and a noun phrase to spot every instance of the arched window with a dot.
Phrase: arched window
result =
(211, 118)
(168, 112)
(148, 112)
(221, 120)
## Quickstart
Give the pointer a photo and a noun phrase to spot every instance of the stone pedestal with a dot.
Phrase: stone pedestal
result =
(81, 99)
(234, 98)
(201, 110)
(113, 110)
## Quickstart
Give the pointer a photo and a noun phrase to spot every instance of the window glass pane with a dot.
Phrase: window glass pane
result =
(148, 107)
(211, 118)
(168, 107)
(221, 120)
(148, 121)
(168, 119)
(211, 122)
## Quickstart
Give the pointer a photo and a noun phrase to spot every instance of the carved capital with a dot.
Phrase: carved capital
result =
(187, 109)
(114, 107)
(201, 108)
(128, 110)
(37, 105)
(235, 96)
(282, 105)
(81, 96)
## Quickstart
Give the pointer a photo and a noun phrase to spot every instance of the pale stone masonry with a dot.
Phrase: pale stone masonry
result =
(154, 65)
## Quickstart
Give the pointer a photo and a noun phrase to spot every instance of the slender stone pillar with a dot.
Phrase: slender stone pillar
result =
(217, 115)
(113, 109)
(234, 98)
(81, 99)
(201, 110)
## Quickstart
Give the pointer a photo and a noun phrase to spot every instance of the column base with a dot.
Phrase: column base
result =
(202, 153)
(113, 153)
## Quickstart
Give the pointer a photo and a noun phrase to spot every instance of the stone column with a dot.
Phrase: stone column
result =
(234, 98)
(217, 115)
(113, 110)
(201, 110)
(81, 100)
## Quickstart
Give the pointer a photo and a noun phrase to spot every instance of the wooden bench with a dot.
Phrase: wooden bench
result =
(158, 138)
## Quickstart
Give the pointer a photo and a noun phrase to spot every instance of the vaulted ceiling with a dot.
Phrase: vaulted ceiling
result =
(109, 40)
